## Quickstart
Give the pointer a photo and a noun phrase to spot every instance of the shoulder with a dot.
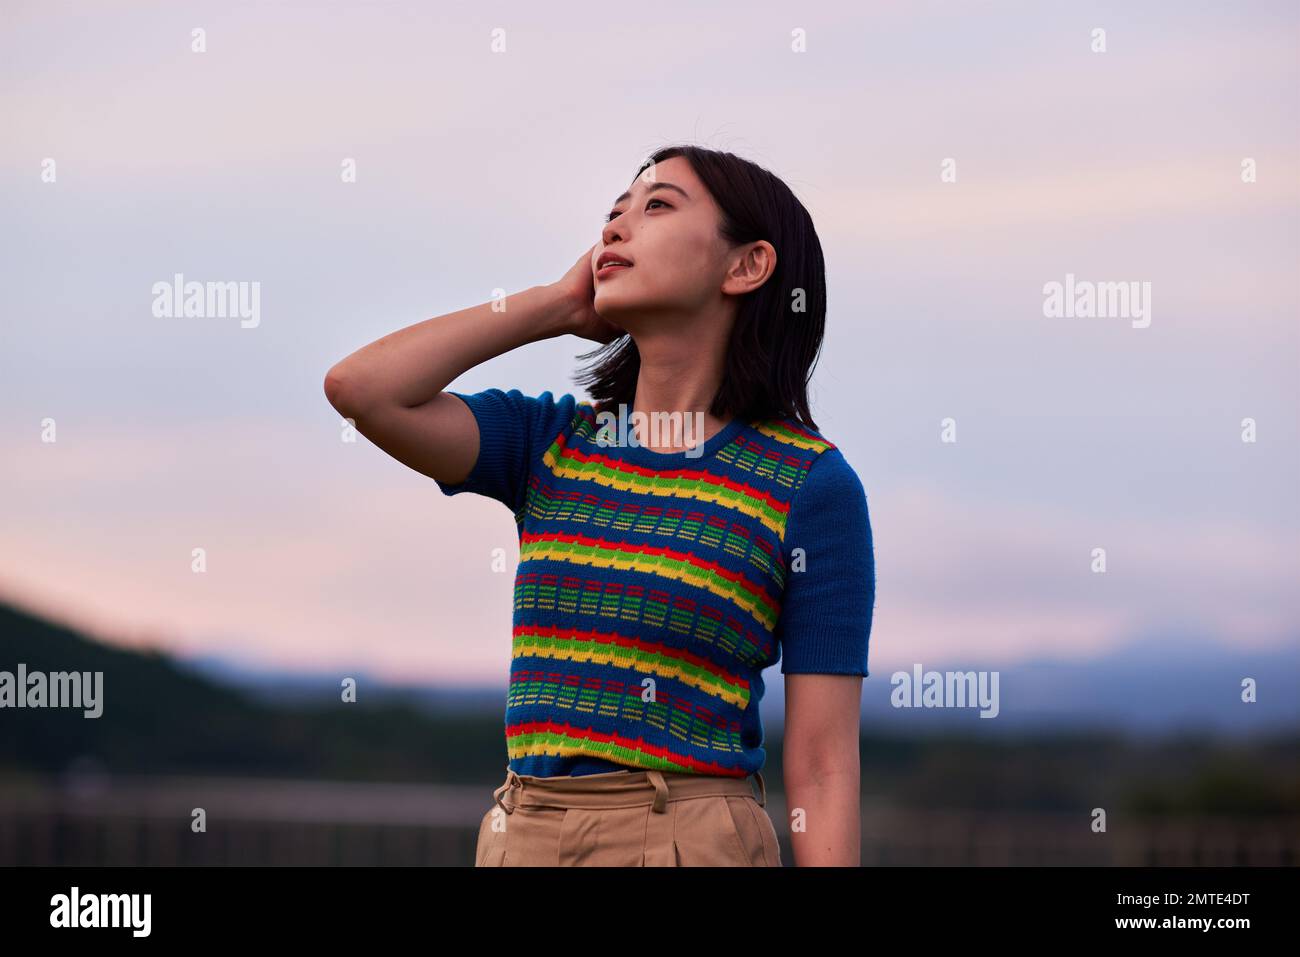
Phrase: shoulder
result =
(825, 488)
(815, 463)
(514, 416)
(584, 419)
(791, 434)
(544, 403)
(555, 418)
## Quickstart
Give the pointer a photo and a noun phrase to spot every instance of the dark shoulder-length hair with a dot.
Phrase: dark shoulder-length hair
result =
(777, 336)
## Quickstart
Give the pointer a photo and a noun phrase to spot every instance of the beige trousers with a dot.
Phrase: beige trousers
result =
(627, 819)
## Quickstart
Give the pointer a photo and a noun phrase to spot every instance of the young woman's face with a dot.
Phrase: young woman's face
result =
(667, 228)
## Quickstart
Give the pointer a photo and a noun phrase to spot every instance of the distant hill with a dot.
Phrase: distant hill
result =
(275, 686)
(159, 715)
(1065, 738)
(1153, 686)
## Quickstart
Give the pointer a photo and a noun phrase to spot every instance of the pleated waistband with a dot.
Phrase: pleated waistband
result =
(620, 789)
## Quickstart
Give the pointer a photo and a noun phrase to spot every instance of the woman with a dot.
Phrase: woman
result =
(659, 573)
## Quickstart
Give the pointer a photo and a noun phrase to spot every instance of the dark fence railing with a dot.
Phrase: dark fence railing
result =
(257, 822)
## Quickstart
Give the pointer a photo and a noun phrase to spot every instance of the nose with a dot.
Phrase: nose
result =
(612, 231)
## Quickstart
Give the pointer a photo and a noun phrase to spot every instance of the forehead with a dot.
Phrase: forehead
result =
(675, 170)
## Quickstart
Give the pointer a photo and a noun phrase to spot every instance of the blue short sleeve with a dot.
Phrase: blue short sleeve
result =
(515, 430)
(824, 626)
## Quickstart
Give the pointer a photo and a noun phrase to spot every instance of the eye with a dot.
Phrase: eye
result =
(612, 213)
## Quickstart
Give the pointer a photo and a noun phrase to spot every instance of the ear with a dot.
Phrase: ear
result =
(751, 265)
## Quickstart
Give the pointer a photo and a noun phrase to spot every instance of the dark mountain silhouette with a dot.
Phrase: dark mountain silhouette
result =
(161, 716)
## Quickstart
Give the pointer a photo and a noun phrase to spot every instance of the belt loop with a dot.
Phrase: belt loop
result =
(512, 781)
(661, 790)
(762, 789)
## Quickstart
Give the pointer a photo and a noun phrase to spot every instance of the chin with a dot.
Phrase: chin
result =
(610, 306)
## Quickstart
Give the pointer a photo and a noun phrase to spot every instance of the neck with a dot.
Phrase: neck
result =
(679, 375)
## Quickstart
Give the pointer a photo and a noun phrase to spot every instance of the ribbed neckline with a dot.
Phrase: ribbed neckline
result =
(640, 455)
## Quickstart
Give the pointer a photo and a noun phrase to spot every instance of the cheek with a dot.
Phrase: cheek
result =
(674, 264)
(685, 257)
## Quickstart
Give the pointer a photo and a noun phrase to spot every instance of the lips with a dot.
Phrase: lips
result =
(609, 257)
(610, 269)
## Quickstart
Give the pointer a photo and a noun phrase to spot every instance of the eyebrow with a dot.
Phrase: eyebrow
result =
(652, 188)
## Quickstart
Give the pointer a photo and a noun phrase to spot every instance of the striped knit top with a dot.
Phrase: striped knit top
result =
(654, 588)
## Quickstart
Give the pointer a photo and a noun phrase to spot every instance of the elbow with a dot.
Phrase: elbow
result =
(823, 753)
(340, 390)
(820, 771)
(816, 765)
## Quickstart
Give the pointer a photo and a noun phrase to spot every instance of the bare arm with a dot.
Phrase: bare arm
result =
(393, 388)
(822, 770)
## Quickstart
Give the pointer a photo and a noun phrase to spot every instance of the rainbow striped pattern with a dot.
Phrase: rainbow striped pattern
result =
(653, 589)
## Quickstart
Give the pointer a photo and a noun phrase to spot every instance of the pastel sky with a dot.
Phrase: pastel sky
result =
(481, 170)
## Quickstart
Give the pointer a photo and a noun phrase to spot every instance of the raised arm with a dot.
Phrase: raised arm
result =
(393, 388)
